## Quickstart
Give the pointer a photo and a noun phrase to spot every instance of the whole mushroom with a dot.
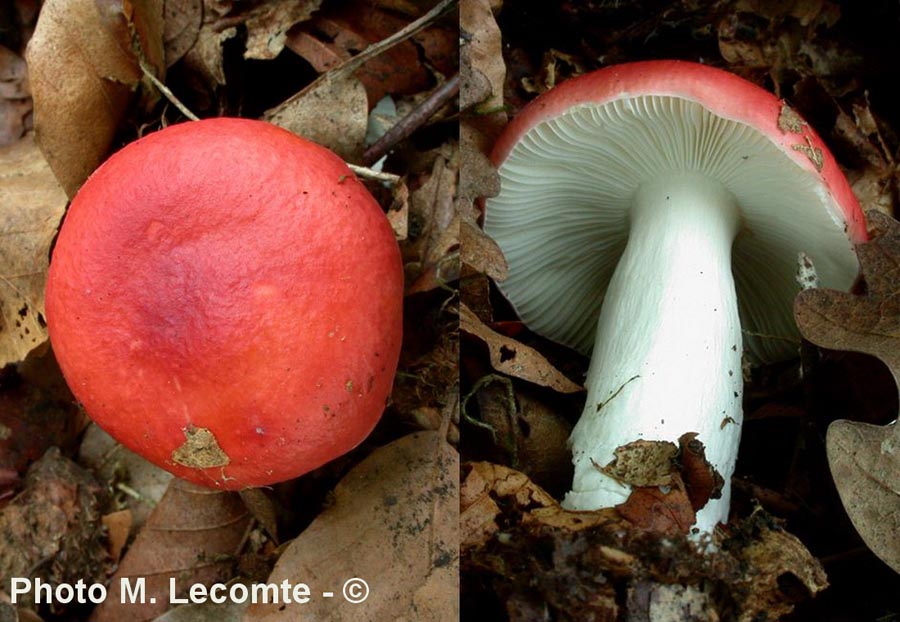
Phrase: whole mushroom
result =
(225, 299)
(653, 213)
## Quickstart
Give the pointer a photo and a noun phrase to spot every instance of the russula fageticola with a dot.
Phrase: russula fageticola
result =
(652, 214)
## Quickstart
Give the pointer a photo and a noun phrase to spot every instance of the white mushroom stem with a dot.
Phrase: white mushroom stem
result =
(667, 356)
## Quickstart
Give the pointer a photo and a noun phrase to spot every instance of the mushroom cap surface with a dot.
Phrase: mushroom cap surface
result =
(225, 299)
(572, 160)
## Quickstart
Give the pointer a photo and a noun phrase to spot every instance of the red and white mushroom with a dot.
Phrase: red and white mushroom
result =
(653, 213)
(225, 299)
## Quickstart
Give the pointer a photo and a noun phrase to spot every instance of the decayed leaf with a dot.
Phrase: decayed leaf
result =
(333, 112)
(769, 560)
(643, 463)
(268, 22)
(394, 523)
(876, 184)
(32, 420)
(556, 67)
(865, 459)
(83, 73)
(484, 483)
(52, 528)
(670, 482)
(571, 565)
(192, 536)
(31, 206)
(655, 602)
(510, 357)
(14, 613)
(137, 483)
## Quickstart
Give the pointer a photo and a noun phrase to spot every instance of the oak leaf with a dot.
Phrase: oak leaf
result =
(865, 459)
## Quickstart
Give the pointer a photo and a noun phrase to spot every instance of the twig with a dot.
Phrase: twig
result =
(367, 173)
(411, 122)
(169, 94)
(600, 405)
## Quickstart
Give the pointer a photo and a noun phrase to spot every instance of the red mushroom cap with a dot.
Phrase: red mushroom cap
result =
(722, 93)
(225, 299)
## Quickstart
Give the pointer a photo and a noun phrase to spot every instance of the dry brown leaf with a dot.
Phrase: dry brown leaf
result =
(433, 210)
(333, 113)
(483, 50)
(485, 483)
(83, 73)
(643, 463)
(474, 86)
(268, 22)
(865, 459)
(15, 98)
(262, 508)
(532, 433)
(556, 67)
(31, 206)
(478, 511)
(206, 56)
(432, 260)
(394, 523)
(398, 213)
(510, 357)
(876, 184)
(663, 510)
(479, 176)
(191, 536)
(865, 463)
(183, 19)
(52, 529)
(118, 528)
(338, 33)
(481, 252)
(701, 480)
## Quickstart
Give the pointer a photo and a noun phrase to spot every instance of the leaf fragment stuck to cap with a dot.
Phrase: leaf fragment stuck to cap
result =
(200, 450)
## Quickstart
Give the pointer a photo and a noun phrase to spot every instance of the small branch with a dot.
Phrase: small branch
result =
(411, 122)
(168, 94)
(367, 173)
